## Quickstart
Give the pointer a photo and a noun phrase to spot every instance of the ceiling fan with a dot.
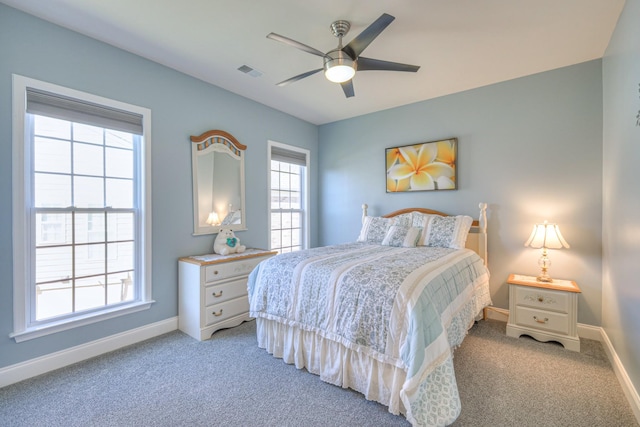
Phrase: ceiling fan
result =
(341, 63)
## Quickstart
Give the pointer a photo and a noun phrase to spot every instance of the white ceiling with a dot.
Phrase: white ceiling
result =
(459, 44)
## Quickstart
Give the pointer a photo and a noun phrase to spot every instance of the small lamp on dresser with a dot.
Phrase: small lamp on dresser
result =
(546, 236)
(213, 219)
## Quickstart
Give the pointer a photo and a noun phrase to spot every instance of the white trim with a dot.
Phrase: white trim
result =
(623, 378)
(590, 332)
(145, 225)
(40, 365)
(595, 333)
(80, 320)
(21, 184)
(20, 229)
(307, 190)
(496, 313)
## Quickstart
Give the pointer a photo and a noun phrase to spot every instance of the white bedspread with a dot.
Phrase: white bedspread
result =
(379, 319)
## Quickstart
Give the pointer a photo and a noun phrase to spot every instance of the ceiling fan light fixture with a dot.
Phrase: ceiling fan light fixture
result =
(339, 67)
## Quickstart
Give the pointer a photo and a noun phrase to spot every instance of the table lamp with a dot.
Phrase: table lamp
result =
(213, 219)
(546, 236)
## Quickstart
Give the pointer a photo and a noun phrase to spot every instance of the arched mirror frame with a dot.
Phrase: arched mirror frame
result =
(211, 143)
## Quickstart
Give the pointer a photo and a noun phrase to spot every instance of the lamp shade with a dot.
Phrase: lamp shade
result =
(546, 235)
(213, 219)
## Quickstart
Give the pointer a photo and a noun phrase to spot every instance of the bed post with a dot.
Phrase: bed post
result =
(482, 233)
(364, 211)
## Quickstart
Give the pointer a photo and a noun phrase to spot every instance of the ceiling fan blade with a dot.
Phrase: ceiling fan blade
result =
(362, 40)
(291, 42)
(368, 64)
(298, 77)
(347, 87)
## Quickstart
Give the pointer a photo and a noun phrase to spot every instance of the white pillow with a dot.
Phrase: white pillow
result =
(401, 236)
(447, 231)
(374, 228)
(404, 220)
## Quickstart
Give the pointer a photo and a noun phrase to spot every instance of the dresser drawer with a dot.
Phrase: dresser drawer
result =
(542, 298)
(230, 269)
(220, 293)
(219, 312)
(542, 320)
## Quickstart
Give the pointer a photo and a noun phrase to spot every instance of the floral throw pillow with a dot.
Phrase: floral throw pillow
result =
(401, 236)
(374, 228)
(448, 231)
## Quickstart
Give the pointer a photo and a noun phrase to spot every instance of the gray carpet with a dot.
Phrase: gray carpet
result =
(227, 381)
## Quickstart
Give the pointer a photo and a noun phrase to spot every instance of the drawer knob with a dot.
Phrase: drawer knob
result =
(545, 320)
(540, 299)
(215, 272)
(217, 295)
(218, 313)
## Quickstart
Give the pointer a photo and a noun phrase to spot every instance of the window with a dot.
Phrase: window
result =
(81, 208)
(289, 206)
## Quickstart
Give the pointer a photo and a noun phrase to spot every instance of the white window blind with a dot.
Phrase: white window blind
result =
(57, 106)
(281, 154)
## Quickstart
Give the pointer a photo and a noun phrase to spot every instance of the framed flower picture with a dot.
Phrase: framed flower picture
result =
(422, 167)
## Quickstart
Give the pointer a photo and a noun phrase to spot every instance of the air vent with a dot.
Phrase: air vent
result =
(251, 71)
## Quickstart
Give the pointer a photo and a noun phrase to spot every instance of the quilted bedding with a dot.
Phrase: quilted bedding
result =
(379, 319)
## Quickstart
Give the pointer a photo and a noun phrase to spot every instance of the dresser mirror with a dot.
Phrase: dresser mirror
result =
(217, 161)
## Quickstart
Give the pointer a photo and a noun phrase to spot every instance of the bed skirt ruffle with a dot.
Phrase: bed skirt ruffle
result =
(333, 362)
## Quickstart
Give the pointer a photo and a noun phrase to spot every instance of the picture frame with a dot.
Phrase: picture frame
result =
(426, 166)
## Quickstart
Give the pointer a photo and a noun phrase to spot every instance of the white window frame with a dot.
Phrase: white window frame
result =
(22, 229)
(305, 197)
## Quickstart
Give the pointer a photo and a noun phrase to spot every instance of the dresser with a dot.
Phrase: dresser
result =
(544, 311)
(213, 291)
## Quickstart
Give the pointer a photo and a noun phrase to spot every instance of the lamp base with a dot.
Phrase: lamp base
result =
(544, 262)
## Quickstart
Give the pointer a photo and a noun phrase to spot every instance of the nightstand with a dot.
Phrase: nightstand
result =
(544, 311)
(213, 291)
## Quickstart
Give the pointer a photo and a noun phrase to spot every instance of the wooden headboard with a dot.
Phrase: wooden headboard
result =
(477, 238)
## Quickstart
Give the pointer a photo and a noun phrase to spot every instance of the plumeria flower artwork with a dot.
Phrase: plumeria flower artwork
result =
(421, 167)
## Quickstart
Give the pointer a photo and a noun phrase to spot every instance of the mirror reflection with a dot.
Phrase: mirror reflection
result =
(218, 182)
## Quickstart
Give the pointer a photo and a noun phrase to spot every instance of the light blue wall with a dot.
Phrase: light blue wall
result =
(531, 148)
(181, 106)
(621, 218)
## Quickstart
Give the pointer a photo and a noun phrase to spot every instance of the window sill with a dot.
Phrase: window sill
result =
(82, 320)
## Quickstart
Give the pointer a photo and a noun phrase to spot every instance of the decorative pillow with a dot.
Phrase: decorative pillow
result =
(447, 231)
(404, 220)
(401, 236)
(374, 228)
(411, 219)
(422, 221)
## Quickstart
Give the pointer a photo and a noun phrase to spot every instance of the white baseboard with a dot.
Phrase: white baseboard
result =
(496, 313)
(40, 365)
(623, 378)
(595, 333)
(590, 332)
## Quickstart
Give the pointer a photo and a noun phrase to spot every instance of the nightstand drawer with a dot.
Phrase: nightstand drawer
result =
(542, 298)
(542, 320)
(220, 293)
(219, 312)
(230, 269)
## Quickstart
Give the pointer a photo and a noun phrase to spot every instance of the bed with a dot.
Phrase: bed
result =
(381, 315)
